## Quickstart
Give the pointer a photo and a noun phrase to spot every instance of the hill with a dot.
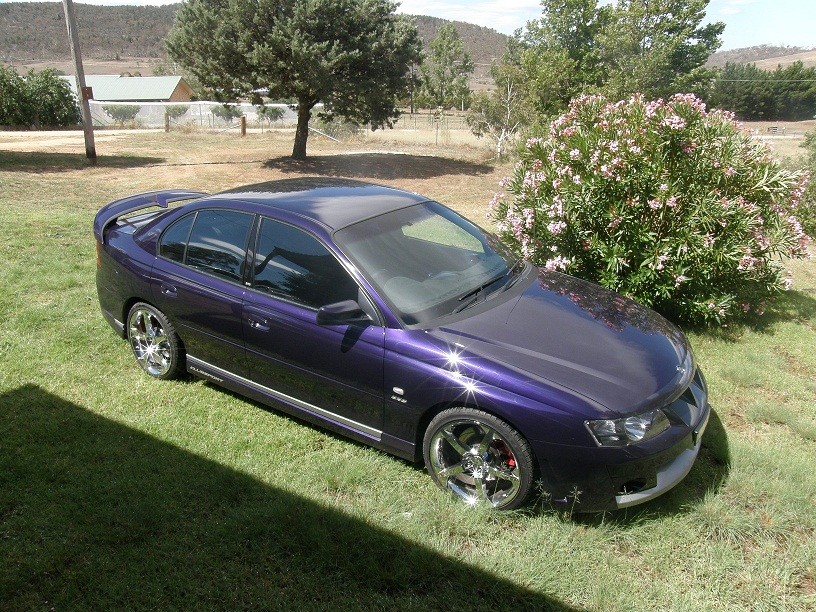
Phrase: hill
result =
(34, 33)
(767, 57)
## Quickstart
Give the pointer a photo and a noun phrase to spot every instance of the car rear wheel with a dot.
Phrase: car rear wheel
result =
(153, 339)
(479, 457)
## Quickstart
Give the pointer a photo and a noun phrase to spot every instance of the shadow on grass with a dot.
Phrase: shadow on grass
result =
(95, 515)
(708, 474)
(36, 162)
(789, 306)
(380, 166)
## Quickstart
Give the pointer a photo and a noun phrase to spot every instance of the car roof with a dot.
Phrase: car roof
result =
(333, 202)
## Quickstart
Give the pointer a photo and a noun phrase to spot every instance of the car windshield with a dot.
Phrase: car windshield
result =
(427, 261)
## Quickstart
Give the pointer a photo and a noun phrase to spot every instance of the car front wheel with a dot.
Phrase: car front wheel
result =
(479, 457)
(154, 341)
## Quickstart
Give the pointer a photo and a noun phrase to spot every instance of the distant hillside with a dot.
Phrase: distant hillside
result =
(36, 31)
(767, 57)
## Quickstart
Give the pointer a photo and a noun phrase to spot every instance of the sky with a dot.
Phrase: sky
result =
(748, 22)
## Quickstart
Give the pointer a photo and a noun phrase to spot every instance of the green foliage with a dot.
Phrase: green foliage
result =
(657, 48)
(351, 55)
(445, 71)
(122, 113)
(174, 111)
(12, 97)
(226, 112)
(807, 206)
(786, 94)
(38, 99)
(557, 52)
(269, 113)
(662, 201)
(500, 114)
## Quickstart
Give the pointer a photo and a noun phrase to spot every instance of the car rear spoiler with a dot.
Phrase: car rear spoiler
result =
(110, 212)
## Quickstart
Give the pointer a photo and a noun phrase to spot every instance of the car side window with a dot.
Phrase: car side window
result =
(295, 266)
(212, 241)
(173, 242)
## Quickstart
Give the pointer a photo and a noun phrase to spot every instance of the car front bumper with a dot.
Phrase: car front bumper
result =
(597, 479)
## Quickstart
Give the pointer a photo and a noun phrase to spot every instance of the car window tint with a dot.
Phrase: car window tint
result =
(294, 265)
(218, 241)
(174, 240)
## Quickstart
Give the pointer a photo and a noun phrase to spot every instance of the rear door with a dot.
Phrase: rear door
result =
(197, 282)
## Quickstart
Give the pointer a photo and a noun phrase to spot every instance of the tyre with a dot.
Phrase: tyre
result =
(154, 341)
(479, 457)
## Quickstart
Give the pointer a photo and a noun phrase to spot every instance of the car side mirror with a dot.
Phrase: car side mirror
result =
(341, 313)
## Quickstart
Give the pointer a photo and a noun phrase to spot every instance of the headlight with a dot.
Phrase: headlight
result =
(620, 432)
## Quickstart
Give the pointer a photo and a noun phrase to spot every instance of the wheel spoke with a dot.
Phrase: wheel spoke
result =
(487, 440)
(450, 438)
(451, 470)
(480, 490)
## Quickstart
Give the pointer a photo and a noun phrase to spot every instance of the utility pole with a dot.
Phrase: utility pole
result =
(82, 91)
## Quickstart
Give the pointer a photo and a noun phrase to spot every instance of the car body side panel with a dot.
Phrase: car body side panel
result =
(338, 367)
(206, 312)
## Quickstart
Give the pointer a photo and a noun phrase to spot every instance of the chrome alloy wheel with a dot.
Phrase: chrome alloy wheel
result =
(151, 344)
(475, 461)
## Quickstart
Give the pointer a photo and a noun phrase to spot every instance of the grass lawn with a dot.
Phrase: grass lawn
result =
(117, 491)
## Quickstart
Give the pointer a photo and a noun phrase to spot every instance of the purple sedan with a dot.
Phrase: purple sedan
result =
(389, 318)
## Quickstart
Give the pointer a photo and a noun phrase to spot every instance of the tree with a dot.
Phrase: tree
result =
(558, 52)
(787, 94)
(445, 71)
(501, 113)
(122, 113)
(657, 48)
(351, 55)
(227, 112)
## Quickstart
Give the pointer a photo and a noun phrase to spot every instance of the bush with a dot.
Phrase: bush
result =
(174, 111)
(227, 112)
(122, 113)
(807, 207)
(661, 201)
(38, 99)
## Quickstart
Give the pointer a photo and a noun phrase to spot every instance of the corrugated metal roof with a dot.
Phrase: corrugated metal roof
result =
(114, 88)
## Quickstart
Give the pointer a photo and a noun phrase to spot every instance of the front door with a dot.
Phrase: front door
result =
(335, 371)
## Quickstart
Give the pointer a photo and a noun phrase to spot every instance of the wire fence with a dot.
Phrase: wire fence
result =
(210, 115)
(207, 115)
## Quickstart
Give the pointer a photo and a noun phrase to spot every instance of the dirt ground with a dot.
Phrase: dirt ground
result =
(129, 161)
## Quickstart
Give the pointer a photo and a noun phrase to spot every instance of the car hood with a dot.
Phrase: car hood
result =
(575, 336)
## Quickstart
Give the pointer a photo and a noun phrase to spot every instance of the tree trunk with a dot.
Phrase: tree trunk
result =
(302, 132)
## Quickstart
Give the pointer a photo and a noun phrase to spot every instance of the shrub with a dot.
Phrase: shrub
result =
(122, 113)
(662, 201)
(12, 97)
(227, 112)
(174, 111)
(38, 99)
(807, 207)
(51, 101)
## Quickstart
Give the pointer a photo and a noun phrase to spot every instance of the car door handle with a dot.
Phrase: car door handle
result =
(169, 290)
(262, 325)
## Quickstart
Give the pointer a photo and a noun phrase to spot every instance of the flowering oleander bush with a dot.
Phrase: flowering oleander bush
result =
(662, 201)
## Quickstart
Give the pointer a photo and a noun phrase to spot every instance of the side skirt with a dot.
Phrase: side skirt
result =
(288, 403)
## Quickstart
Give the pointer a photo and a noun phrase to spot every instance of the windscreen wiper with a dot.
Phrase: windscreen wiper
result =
(472, 296)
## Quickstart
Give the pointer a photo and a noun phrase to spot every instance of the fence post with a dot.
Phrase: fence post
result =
(166, 121)
(243, 126)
